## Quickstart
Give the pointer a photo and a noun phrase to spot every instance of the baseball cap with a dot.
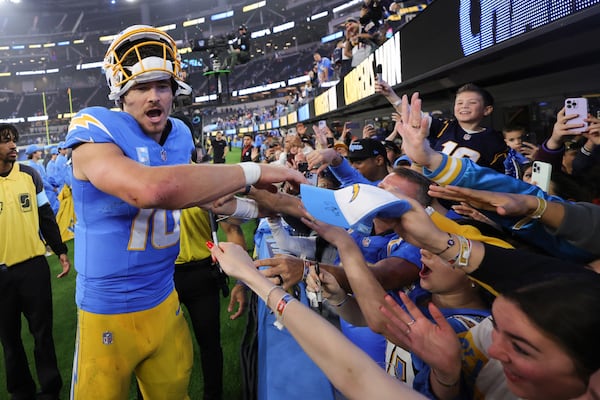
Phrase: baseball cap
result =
(365, 148)
(61, 145)
(353, 206)
(403, 160)
(32, 148)
(340, 145)
(53, 150)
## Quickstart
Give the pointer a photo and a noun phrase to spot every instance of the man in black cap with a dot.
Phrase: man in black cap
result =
(239, 53)
(366, 163)
(369, 157)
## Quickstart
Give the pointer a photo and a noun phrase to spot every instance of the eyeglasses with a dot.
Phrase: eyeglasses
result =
(8, 136)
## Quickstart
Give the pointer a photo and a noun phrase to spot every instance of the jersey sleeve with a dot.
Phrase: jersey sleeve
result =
(348, 175)
(465, 173)
(91, 125)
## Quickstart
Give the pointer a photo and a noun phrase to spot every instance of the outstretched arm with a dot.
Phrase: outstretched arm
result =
(510, 204)
(170, 187)
(365, 285)
(348, 368)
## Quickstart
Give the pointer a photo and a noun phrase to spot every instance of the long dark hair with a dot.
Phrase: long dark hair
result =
(567, 309)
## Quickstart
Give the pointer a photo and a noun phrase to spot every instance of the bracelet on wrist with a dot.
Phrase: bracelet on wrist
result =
(449, 244)
(444, 384)
(341, 303)
(541, 208)
(465, 252)
(585, 151)
(280, 309)
(269, 294)
(542, 204)
(461, 259)
(397, 103)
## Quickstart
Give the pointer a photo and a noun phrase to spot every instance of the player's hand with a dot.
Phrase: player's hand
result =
(270, 174)
(66, 265)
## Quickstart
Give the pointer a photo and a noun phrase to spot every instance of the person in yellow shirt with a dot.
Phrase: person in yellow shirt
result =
(25, 274)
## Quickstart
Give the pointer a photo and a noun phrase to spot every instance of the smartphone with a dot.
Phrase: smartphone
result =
(540, 175)
(370, 122)
(379, 71)
(322, 124)
(352, 125)
(303, 166)
(579, 106)
(530, 137)
(311, 177)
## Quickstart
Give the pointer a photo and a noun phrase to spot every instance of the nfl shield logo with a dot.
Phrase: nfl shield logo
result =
(107, 338)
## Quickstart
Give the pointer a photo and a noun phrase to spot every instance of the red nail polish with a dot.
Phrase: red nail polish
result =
(210, 245)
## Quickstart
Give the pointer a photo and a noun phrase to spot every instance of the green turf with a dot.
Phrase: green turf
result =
(65, 320)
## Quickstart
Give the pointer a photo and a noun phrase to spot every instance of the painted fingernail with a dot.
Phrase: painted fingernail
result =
(210, 244)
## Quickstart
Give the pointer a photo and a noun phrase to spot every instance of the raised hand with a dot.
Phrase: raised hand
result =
(435, 342)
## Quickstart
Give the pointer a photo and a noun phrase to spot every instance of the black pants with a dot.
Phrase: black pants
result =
(198, 287)
(25, 289)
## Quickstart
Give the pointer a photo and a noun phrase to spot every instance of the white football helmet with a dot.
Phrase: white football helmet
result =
(142, 53)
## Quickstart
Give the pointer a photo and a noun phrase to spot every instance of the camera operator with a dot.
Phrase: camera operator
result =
(239, 52)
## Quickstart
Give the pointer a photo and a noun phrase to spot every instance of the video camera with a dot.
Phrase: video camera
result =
(212, 43)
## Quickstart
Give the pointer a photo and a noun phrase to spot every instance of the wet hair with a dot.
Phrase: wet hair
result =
(488, 99)
(422, 181)
(567, 309)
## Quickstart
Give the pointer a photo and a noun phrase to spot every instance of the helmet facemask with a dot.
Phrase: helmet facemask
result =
(142, 54)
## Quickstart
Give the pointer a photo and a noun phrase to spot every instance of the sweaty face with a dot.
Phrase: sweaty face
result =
(535, 366)
(150, 103)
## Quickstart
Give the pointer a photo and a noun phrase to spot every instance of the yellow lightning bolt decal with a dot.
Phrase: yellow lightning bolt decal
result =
(355, 190)
(85, 121)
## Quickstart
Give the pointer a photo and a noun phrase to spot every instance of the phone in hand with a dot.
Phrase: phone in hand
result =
(578, 106)
(322, 124)
(311, 177)
(379, 71)
(541, 173)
